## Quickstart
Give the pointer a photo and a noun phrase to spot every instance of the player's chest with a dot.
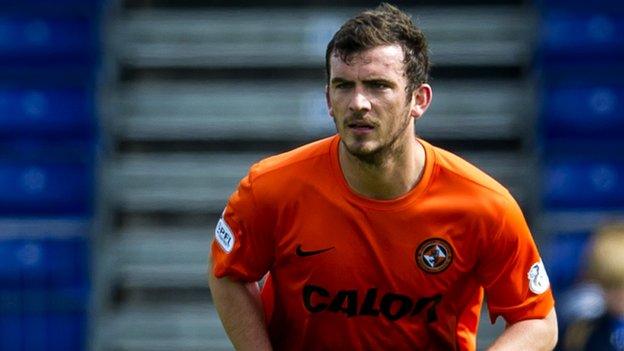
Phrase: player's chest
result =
(354, 249)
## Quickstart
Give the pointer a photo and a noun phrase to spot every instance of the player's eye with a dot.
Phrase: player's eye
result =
(343, 85)
(379, 85)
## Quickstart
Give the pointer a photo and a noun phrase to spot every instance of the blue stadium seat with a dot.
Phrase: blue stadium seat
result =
(48, 150)
(46, 112)
(44, 283)
(588, 110)
(47, 6)
(47, 262)
(45, 40)
(577, 182)
(580, 5)
(58, 3)
(43, 331)
(57, 71)
(563, 256)
(39, 300)
(581, 35)
(45, 188)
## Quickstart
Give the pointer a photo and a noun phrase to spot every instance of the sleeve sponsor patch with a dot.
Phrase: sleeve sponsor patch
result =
(538, 279)
(224, 236)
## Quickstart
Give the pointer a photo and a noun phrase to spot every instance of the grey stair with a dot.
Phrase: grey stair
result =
(165, 110)
(154, 257)
(297, 37)
(173, 182)
(203, 183)
(188, 327)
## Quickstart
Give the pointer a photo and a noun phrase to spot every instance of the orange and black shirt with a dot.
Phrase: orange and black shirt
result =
(352, 273)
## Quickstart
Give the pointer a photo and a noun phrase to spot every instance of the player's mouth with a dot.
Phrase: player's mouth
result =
(361, 127)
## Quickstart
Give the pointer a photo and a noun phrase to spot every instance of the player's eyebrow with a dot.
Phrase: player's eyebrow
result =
(373, 80)
(379, 81)
(338, 80)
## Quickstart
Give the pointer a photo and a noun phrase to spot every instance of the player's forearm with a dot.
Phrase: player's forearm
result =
(532, 334)
(240, 310)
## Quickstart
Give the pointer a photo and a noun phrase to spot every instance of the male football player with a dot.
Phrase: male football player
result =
(373, 238)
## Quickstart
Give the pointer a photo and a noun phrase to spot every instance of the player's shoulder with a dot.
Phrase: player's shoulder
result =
(297, 161)
(464, 175)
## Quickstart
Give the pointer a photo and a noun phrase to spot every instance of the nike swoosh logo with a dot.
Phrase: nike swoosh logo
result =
(303, 253)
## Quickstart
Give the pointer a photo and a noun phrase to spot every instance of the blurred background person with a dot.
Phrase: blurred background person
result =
(605, 330)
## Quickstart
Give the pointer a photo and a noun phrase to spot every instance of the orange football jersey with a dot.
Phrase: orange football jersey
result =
(352, 273)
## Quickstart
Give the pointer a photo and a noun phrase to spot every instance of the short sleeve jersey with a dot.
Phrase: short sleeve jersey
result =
(352, 273)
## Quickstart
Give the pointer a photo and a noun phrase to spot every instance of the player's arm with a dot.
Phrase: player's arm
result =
(240, 310)
(530, 334)
(517, 287)
(242, 252)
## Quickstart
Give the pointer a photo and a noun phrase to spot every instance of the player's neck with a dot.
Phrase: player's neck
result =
(399, 172)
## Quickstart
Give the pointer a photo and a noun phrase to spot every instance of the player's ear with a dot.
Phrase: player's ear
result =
(328, 100)
(421, 99)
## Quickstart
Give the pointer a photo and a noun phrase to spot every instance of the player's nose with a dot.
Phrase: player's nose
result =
(359, 101)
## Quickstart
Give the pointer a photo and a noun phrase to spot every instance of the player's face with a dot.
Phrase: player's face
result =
(368, 101)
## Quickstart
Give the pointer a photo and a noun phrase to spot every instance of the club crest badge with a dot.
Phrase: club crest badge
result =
(434, 255)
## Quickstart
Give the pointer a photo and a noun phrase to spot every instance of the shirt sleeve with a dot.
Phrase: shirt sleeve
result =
(243, 245)
(512, 273)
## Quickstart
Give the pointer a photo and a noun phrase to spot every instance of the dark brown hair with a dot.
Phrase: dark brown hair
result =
(385, 25)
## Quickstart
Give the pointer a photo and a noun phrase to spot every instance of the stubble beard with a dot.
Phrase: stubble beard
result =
(386, 151)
